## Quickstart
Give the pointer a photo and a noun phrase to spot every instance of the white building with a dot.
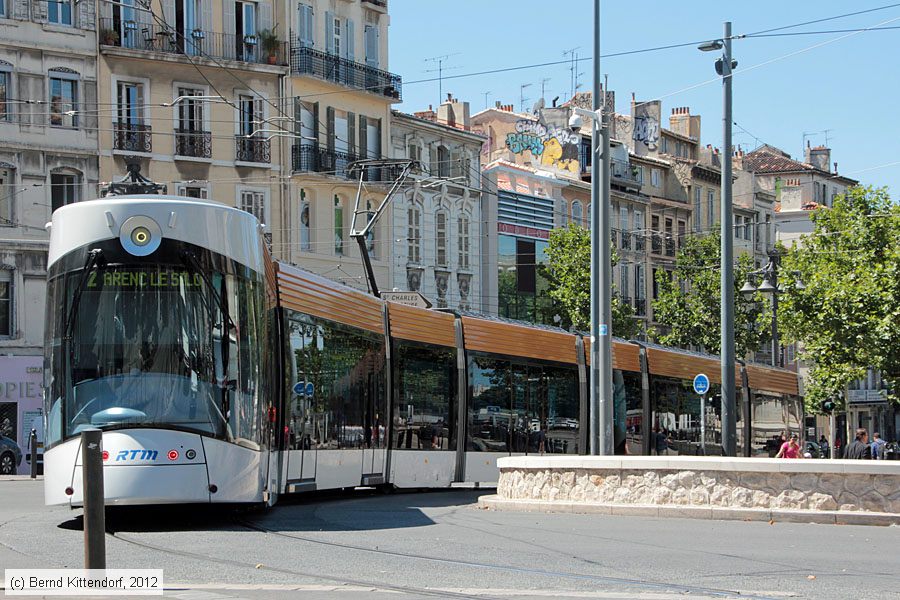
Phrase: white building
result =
(437, 221)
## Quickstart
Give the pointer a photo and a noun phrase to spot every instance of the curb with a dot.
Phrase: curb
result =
(20, 478)
(826, 517)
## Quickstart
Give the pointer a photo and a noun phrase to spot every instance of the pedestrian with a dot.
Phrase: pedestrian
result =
(877, 446)
(790, 449)
(859, 449)
(823, 446)
(660, 443)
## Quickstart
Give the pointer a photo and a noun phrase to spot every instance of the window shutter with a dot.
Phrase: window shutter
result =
(372, 46)
(351, 133)
(228, 24)
(363, 138)
(298, 119)
(206, 22)
(329, 32)
(316, 122)
(350, 41)
(329, 127)
(265, 16)
(21, 9)
(306, 25)
(169, 13)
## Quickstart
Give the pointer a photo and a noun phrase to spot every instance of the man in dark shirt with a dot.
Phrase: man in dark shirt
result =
(860, 448)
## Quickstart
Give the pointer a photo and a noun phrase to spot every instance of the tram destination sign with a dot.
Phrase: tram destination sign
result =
(414, 299)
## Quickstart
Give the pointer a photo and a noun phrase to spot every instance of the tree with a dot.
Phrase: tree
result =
(569, 272)
(847, 318)
(688, 303)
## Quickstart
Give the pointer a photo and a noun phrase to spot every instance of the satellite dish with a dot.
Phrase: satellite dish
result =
(538, 106)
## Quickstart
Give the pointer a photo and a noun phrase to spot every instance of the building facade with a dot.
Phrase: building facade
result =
(48, 158)
(191, 90)
(341, 95)
(437, 220)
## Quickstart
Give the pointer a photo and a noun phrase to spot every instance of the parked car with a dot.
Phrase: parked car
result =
(10, 456)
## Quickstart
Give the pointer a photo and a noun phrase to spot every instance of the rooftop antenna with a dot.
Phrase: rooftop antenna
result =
(522, 97)
(440, 60)
(826, 132)
(544, 86)
(573, 54)
(486, 94)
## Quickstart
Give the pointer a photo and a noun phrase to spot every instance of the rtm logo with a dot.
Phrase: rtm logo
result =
(136, 455)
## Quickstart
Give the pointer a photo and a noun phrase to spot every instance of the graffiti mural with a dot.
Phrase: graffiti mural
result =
(552, 146)
(646, 123)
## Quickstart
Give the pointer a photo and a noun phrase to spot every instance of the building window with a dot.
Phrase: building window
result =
(250, 115)
(698, 215)
(414, 233)
(5, 85)
(6, 303)
(639, 230)
(193, 191)
(463, 236)
(64, 189)
(682, 233)
(255, 204)
(670, 238)
(710, 208)
(443, 160)
(59, 12)
(441, 254)
(655, 284)
(190, 112)
(245, 40)
(130, 102)
(640, 293)
(304, 221)
(623, 284)
(655, 243)
(3, 9)
(63, 101)
(623, 226)
(654, 177)
(338, 225)
(665, 145)
(370, 237)
(414, 151)
(577, 213)
(7, 195)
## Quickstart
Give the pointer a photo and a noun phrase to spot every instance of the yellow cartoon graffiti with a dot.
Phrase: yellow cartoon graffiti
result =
(556, 156)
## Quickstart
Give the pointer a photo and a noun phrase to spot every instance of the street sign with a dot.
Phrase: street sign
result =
(701, 384)
(414, 299)
(299, 388)
(310, 388)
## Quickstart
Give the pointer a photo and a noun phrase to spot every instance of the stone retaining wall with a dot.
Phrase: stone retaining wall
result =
(737, 483)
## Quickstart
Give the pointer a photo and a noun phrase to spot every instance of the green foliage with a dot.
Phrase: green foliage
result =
(569, 272)
(848, 316)
(688, 306)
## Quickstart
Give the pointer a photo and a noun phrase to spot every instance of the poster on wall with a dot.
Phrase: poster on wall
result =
(21, 407)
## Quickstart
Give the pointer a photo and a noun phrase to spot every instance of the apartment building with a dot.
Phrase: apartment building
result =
(48, 158)
(437, 221)
(341, 96)
(191, 89)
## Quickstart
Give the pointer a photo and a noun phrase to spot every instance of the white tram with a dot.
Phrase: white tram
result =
(220, 376)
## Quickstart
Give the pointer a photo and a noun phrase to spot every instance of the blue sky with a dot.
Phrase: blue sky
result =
(848, 86)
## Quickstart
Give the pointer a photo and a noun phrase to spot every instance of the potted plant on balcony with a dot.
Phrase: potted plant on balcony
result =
(109, 37)
(268, 40)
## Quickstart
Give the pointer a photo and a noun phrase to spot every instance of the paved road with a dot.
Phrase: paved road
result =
(440, 544)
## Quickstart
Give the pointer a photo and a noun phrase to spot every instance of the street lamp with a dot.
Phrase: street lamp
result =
(724, 65)
(769, 285)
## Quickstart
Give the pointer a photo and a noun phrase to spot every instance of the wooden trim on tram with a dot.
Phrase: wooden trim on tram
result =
(316, 296)
(686, 366)
(770, 379)
(625, 356)
(509, 339)
(421, 325)
(271, 279)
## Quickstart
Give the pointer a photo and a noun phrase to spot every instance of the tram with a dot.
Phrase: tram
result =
(221, 376)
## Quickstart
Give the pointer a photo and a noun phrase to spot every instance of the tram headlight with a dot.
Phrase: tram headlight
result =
(140, 235)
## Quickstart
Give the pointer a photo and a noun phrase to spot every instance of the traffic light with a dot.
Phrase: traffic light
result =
(828, 406)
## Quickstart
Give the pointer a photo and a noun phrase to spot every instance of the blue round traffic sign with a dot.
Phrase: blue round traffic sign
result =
(299, 388)
(310, 388)
(701, 384)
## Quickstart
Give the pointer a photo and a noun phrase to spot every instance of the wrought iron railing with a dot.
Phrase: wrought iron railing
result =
(257, 150)
(311, 158)
(196, 144)
(640, 306)
(623, 170)
(132, 137)
(639, 241)
(309, 61)
(153, 38)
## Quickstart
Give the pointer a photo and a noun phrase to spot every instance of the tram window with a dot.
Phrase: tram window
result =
(426, 405)
(633, 412)
(676, 412)
(346, 367)
(489, 410)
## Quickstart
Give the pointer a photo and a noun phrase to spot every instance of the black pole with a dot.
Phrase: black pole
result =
(92, 490)
(32, 448)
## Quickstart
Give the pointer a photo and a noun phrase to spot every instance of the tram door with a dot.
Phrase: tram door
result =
(374, 430)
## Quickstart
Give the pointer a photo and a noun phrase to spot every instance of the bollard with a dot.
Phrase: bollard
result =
(32, 448)
(92, 493)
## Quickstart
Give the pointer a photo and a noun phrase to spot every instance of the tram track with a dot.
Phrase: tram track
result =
(600, 579)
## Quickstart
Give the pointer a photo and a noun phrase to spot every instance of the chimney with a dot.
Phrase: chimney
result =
(454, 113)
(835, 168)
(679, 120)
(819, 157)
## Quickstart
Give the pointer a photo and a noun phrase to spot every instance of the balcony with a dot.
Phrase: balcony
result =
(624, 171)
(254, 150)
(309, 61)
(132, 137)
(202, 44)
(379, 3)
(640, 307)
(310, 158)
(194, 144)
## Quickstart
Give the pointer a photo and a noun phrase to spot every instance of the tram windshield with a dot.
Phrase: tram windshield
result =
(163, 346)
